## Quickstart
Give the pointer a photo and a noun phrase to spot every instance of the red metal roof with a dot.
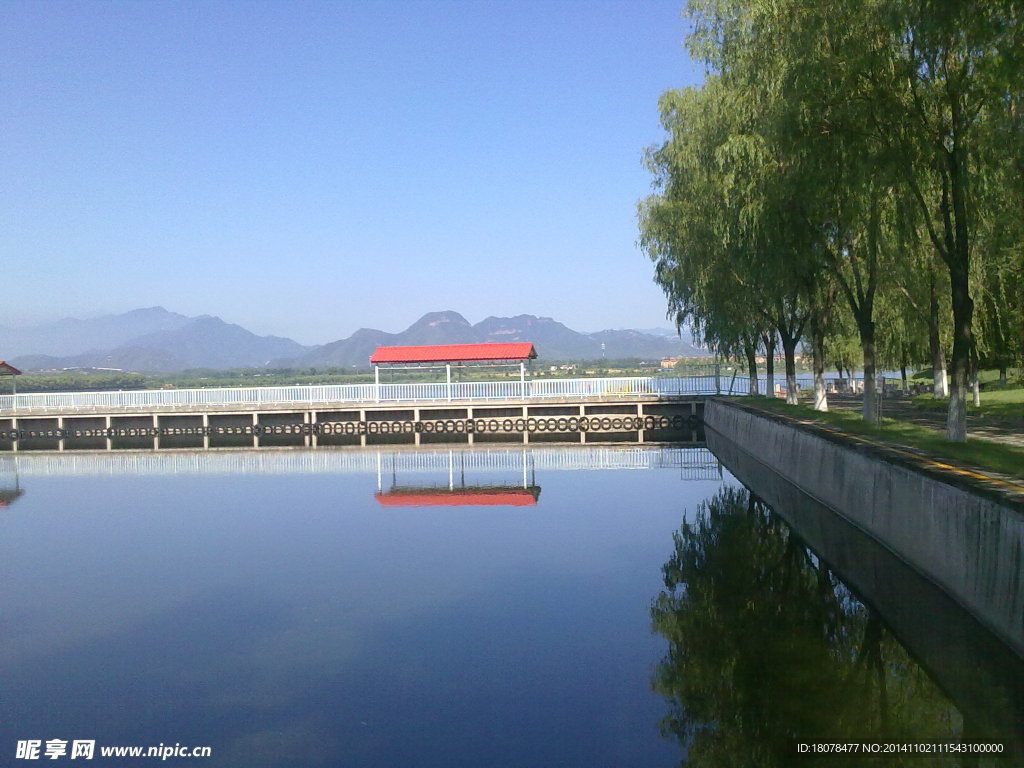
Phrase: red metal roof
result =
(459, 497)
(6, 369)
(454, 353)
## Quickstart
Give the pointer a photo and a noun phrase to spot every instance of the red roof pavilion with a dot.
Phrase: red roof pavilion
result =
(455, 353)
(6, 369)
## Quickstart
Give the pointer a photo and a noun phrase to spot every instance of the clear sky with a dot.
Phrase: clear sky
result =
(307, 168)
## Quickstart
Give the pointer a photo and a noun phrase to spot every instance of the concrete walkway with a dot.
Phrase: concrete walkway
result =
(998, 429)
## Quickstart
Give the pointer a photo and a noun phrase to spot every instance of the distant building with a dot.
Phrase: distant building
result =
(670, 362)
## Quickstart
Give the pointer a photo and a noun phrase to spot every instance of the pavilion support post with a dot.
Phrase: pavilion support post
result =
(376, 381)
(448, 373)
(522, 377)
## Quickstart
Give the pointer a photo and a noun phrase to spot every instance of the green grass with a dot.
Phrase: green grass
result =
(986, 454)
(998, 403)
(988, 377)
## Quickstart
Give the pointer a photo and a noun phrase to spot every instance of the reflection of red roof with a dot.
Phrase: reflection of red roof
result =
(454, 353)
(459, 497)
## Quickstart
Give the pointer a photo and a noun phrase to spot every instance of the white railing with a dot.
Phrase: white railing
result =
(351, 394)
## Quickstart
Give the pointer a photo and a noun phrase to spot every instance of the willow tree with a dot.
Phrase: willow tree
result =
(999, 278)
(729, 252)
(705, 237)
(957, 61)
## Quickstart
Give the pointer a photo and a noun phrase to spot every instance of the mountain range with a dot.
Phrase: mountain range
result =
(156, 340)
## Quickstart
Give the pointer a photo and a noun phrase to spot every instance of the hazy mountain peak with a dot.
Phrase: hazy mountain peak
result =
(435, 319)
(155, 339)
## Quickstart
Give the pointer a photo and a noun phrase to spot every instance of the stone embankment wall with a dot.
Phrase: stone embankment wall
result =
(969, 542)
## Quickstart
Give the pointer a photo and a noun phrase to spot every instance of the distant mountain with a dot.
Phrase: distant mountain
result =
(154, 340)
(666, 332)
(553, 341)
(353, 351)
(160, 341)
(73, 337)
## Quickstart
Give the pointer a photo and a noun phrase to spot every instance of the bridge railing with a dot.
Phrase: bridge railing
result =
(346, 394)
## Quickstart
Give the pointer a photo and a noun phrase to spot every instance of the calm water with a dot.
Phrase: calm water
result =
(432, 609)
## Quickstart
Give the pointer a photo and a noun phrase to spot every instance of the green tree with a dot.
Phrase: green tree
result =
(766, 647)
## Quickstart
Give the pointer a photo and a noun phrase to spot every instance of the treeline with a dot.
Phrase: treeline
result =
(95, 380)
(849, 178)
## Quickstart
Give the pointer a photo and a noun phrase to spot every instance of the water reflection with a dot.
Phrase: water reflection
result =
(10, 482)
(456, 491)
(260, 602)
(767, 648)
(463, 496)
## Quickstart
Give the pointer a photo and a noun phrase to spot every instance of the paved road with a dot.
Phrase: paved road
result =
(1002, 430)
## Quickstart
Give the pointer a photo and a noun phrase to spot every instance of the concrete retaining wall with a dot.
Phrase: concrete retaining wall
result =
(970, 545)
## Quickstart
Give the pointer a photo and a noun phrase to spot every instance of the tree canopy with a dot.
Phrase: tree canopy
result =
(836, 153)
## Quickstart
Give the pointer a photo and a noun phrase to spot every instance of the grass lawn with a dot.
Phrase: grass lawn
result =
(985, 454)
(1000, 403)
(987, 377)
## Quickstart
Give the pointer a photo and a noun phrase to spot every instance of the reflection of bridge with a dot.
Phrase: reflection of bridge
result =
(693, 463)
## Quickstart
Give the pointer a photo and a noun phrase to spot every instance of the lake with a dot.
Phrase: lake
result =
(538, 606)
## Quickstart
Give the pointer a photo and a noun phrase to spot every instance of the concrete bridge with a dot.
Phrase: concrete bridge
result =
(638, 409)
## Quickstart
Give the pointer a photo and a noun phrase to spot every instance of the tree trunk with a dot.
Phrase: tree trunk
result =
(750, 350)
(818, 363)
(789, 350)
(1002, 376)
(769, 364)
(976, 377)
(869, 409)
(963, 343)
(958, 259)
(939, 387)
(903, 375)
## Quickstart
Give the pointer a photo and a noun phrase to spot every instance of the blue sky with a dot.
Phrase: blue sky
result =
(306, 168)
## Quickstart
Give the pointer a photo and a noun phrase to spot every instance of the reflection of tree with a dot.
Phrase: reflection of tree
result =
(767, 648)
